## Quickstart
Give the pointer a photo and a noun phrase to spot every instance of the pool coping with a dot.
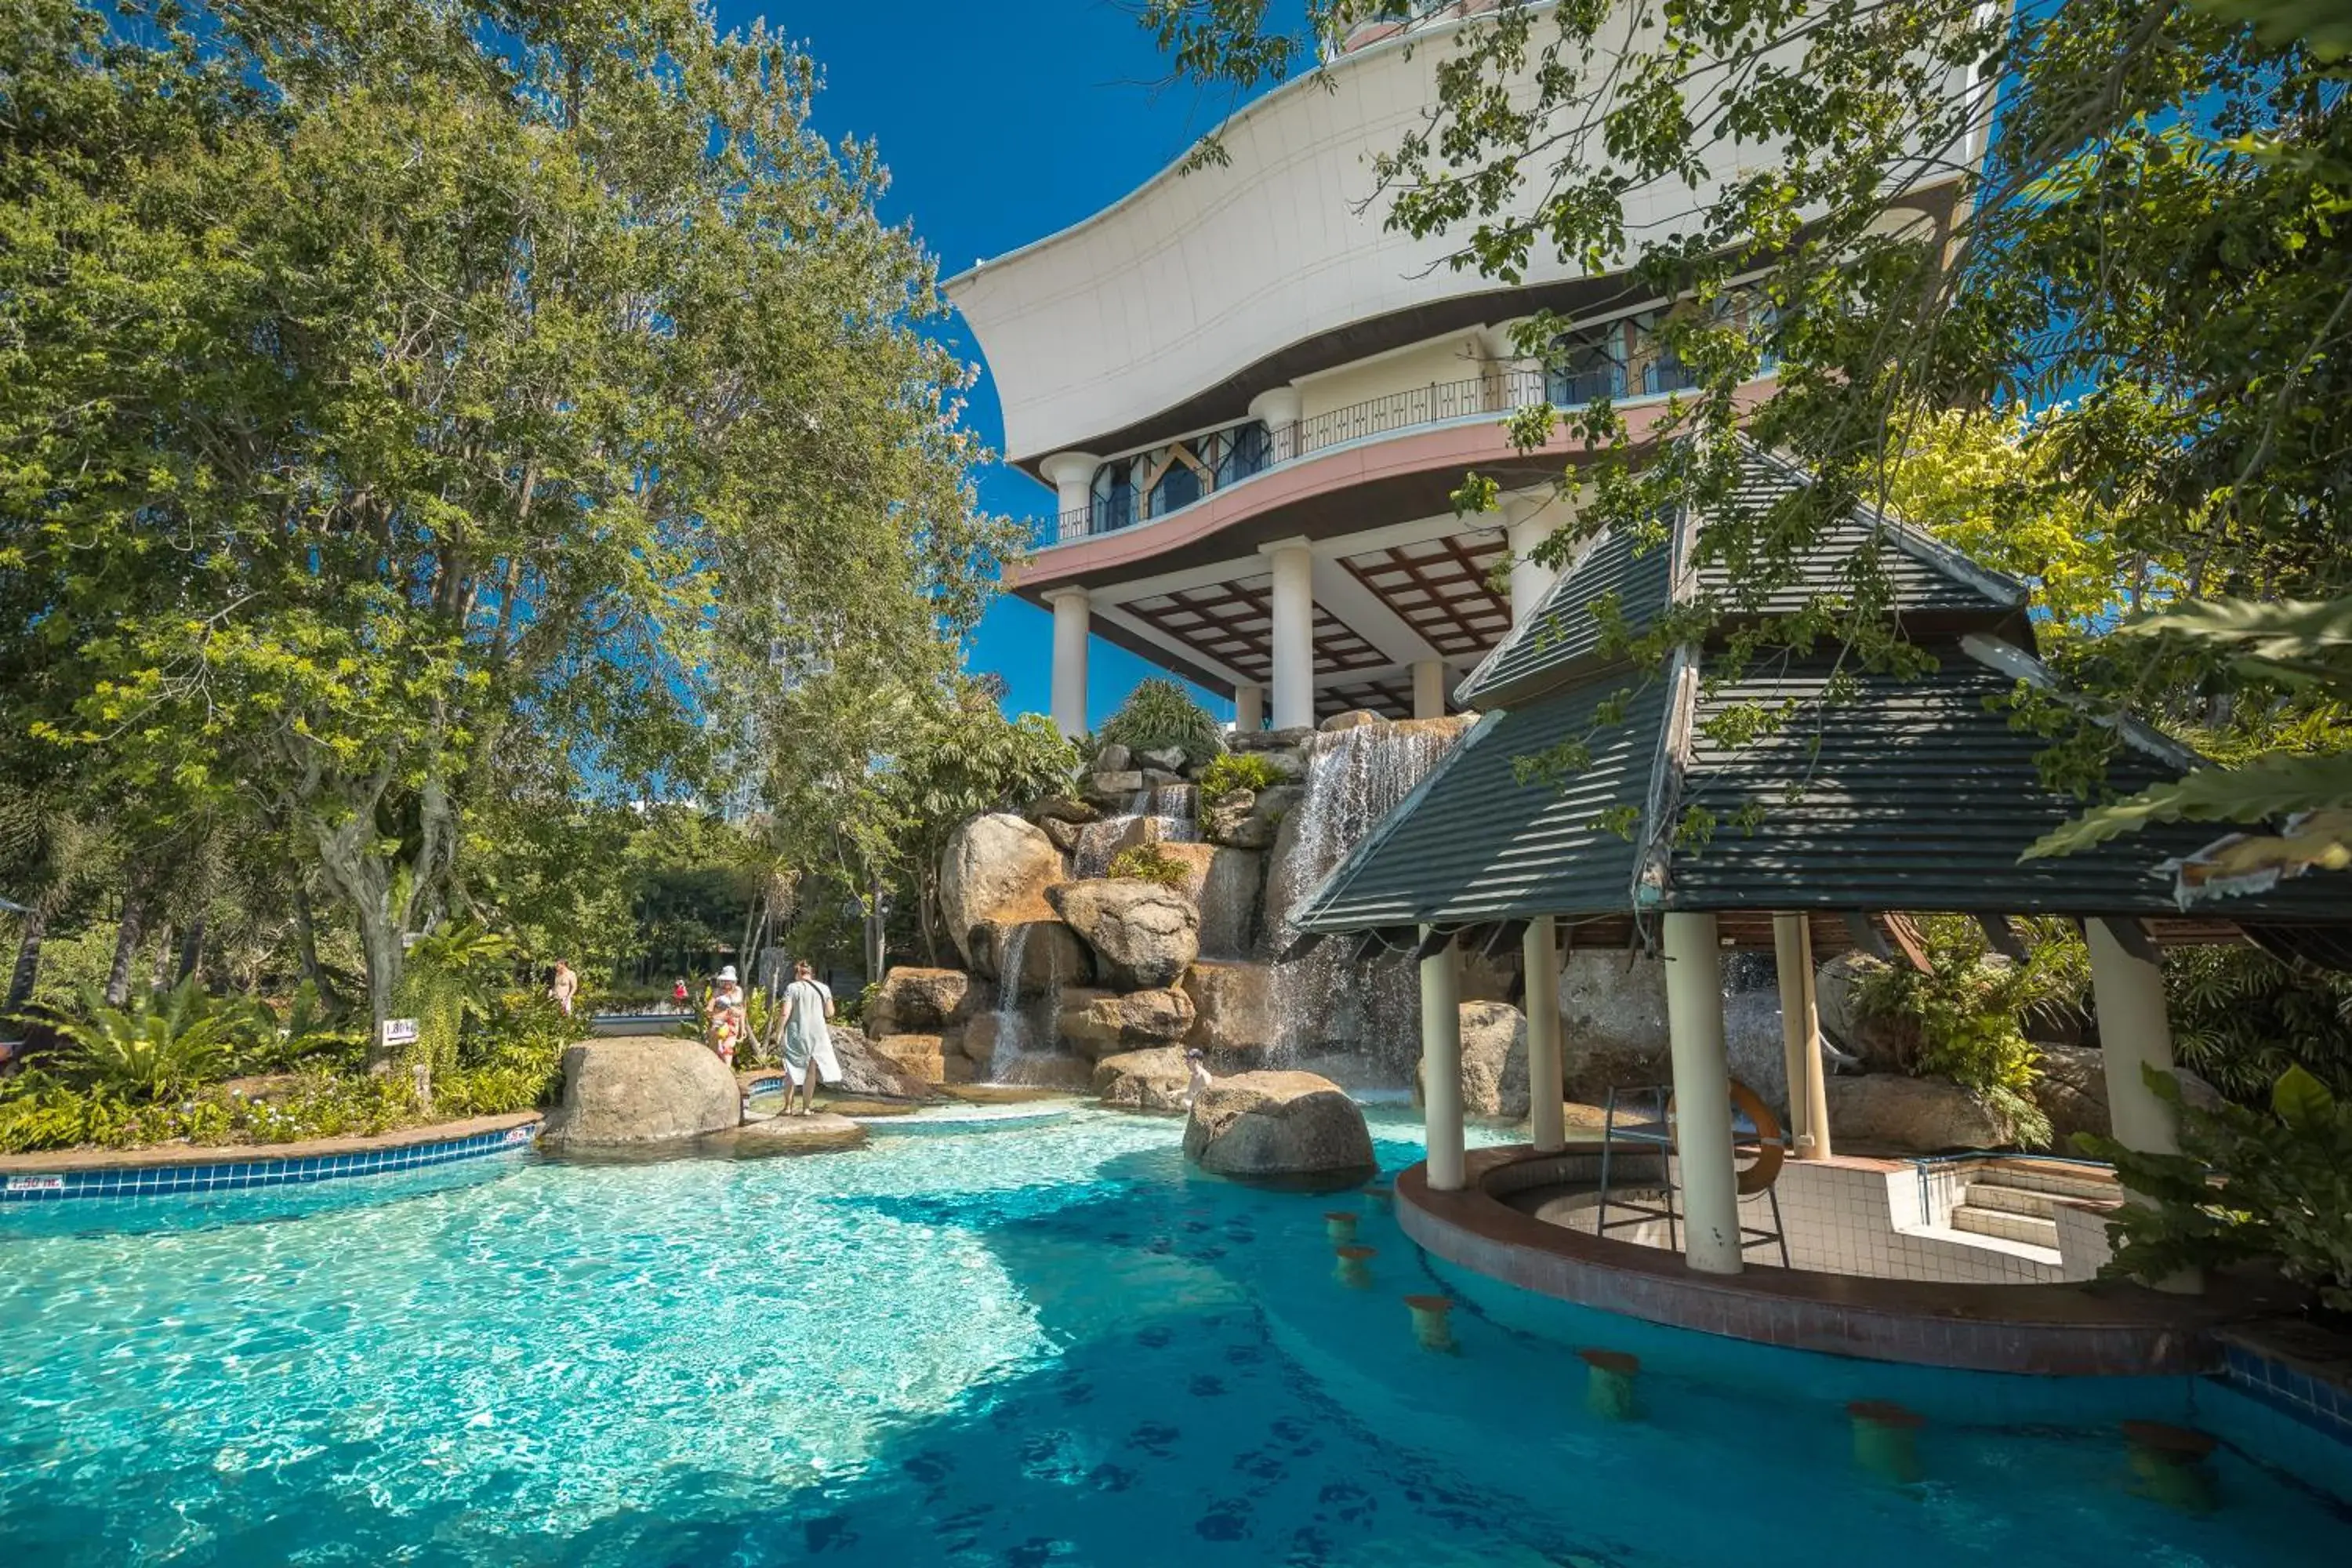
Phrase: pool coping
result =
(2098, 1328)
(184, 1167)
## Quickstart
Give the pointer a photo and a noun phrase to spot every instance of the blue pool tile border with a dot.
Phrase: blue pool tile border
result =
(2317, 1403)
(228, 1175)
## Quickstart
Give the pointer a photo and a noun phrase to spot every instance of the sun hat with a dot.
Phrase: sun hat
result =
(728, 973)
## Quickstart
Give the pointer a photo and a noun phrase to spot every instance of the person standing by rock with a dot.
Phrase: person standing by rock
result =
(725, 1021)
(808, 1043)
(566, 986)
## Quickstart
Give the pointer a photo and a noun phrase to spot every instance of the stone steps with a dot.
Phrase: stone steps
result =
(2007, 1223)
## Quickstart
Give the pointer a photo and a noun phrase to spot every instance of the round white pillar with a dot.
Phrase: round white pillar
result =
(1278, 408)
(1293, 634)
(1525, 527)
(1249, 709)
(1429, 689)
(1070, 628)
(2133, 1033)
(1710, 1184)
(1801, 1039)
(1072, 475)
(1441, 1065)
(1540, 957)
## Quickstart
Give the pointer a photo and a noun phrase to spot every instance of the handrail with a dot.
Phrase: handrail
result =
(1499, 393)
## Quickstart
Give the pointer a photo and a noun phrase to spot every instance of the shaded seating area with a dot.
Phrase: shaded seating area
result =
(1788, 807)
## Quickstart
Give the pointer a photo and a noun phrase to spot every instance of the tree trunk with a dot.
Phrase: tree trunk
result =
(306, 948)
(192, 947)
(127, 932)
(366, 884)
(876, 939)
(29, 961)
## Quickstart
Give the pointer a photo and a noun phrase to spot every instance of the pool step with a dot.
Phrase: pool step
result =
(2092, 1182)
(2008, 1224)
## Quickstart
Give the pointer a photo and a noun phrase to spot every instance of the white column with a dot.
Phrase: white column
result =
(1441, 1065)
(1526, 526)
(1072, 475)
(2133, 1033)
(1293, 634)
(1540, 956)
(1710, 1186)
(1070, 626)
(1801, 1039)
(1429, 689)
(1249, 709)
(1277, 408)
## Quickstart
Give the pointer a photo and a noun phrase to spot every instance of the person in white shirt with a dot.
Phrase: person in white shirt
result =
(808, 1044)
(1201, 1081)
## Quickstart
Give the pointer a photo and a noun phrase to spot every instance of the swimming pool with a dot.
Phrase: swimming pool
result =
(1044, 1345)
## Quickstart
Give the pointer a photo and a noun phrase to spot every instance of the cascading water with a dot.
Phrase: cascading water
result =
(1025, 1032)
(1166, 813)
(1358, 1022)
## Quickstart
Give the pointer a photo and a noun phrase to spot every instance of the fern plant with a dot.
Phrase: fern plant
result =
(163, 1044)
(1159, 717)
(1237, 771)
(1150, 863)
(2241, 1018)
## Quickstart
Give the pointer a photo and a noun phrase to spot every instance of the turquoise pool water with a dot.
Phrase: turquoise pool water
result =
(1035, 1346)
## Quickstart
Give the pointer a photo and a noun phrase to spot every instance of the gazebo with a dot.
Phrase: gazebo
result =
(1872, 793)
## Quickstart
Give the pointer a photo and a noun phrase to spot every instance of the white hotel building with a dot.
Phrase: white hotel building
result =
(1252, 400)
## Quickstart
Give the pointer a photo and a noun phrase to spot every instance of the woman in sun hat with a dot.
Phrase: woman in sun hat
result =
(808, 1044)
(726, 1022)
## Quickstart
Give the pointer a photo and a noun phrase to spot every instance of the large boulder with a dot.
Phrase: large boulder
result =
(1613, 1010)
(1493, 1062)
(1232, 1011)
(1278, 1124)
(996, 869)
(2071, 1088)
(1223, 885)
(1027, 958)
(1885, 1045)
(1142, 934)
(913, 1000)
(1248, 819)
(869, 1073)
(1893, 1113)
(1354, 718)
(641, 1089)
(1154, 1080)
(923, 1057)
(1102, 1023)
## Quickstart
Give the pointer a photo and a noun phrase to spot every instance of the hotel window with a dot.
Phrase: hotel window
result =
(1586, 366)
(1168, 479)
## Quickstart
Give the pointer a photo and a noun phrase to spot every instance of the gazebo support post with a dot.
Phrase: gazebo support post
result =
(1710, 1185)
(2127, 988)
(1441, 1065)
(1801, 1039)
(1540, 957)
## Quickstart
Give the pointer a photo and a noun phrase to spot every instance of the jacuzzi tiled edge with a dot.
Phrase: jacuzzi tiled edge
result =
(2316, 1402)
(258, 1170)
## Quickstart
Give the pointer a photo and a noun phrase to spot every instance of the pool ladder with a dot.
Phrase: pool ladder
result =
(1654, 1132)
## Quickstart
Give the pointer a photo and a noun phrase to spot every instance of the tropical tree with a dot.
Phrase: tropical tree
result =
(388, 387)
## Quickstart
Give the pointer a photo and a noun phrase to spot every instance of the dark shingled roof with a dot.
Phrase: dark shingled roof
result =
(1898, 794)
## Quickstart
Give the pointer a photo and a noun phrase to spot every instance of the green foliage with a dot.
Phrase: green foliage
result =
(1970, 1010)
(1235, 770)
(1157, 716)
(2241, 1019)
(163, 1044)
(1150, 863)
(2248, 1184)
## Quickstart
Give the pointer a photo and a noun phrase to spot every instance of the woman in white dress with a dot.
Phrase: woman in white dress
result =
(808, 1044)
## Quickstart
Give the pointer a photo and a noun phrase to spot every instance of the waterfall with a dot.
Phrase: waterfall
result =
(1024, 1036)
(1165, 814)
(1325, 1005)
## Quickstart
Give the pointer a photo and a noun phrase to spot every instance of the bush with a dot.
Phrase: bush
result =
(2284, 1189)
(161, 1044)
(1235, 770)
(1150, 863)
(1970, 1007)
(1158, 717)
(2241, 1018)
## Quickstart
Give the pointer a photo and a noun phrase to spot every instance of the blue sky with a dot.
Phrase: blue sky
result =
(1000, 124)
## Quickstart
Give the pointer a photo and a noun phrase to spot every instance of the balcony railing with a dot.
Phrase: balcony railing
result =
(1496, 394)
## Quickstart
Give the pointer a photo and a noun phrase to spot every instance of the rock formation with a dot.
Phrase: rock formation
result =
(996, 869)
(1154, 1080)
(1278, 1124)
(641, 1089)
(1143, 935)
(1104, 1023)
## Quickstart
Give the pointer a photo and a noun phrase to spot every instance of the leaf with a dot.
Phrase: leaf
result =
(2301, 1100)
(2284, 628)
(2279, 785)
(2323, 27)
